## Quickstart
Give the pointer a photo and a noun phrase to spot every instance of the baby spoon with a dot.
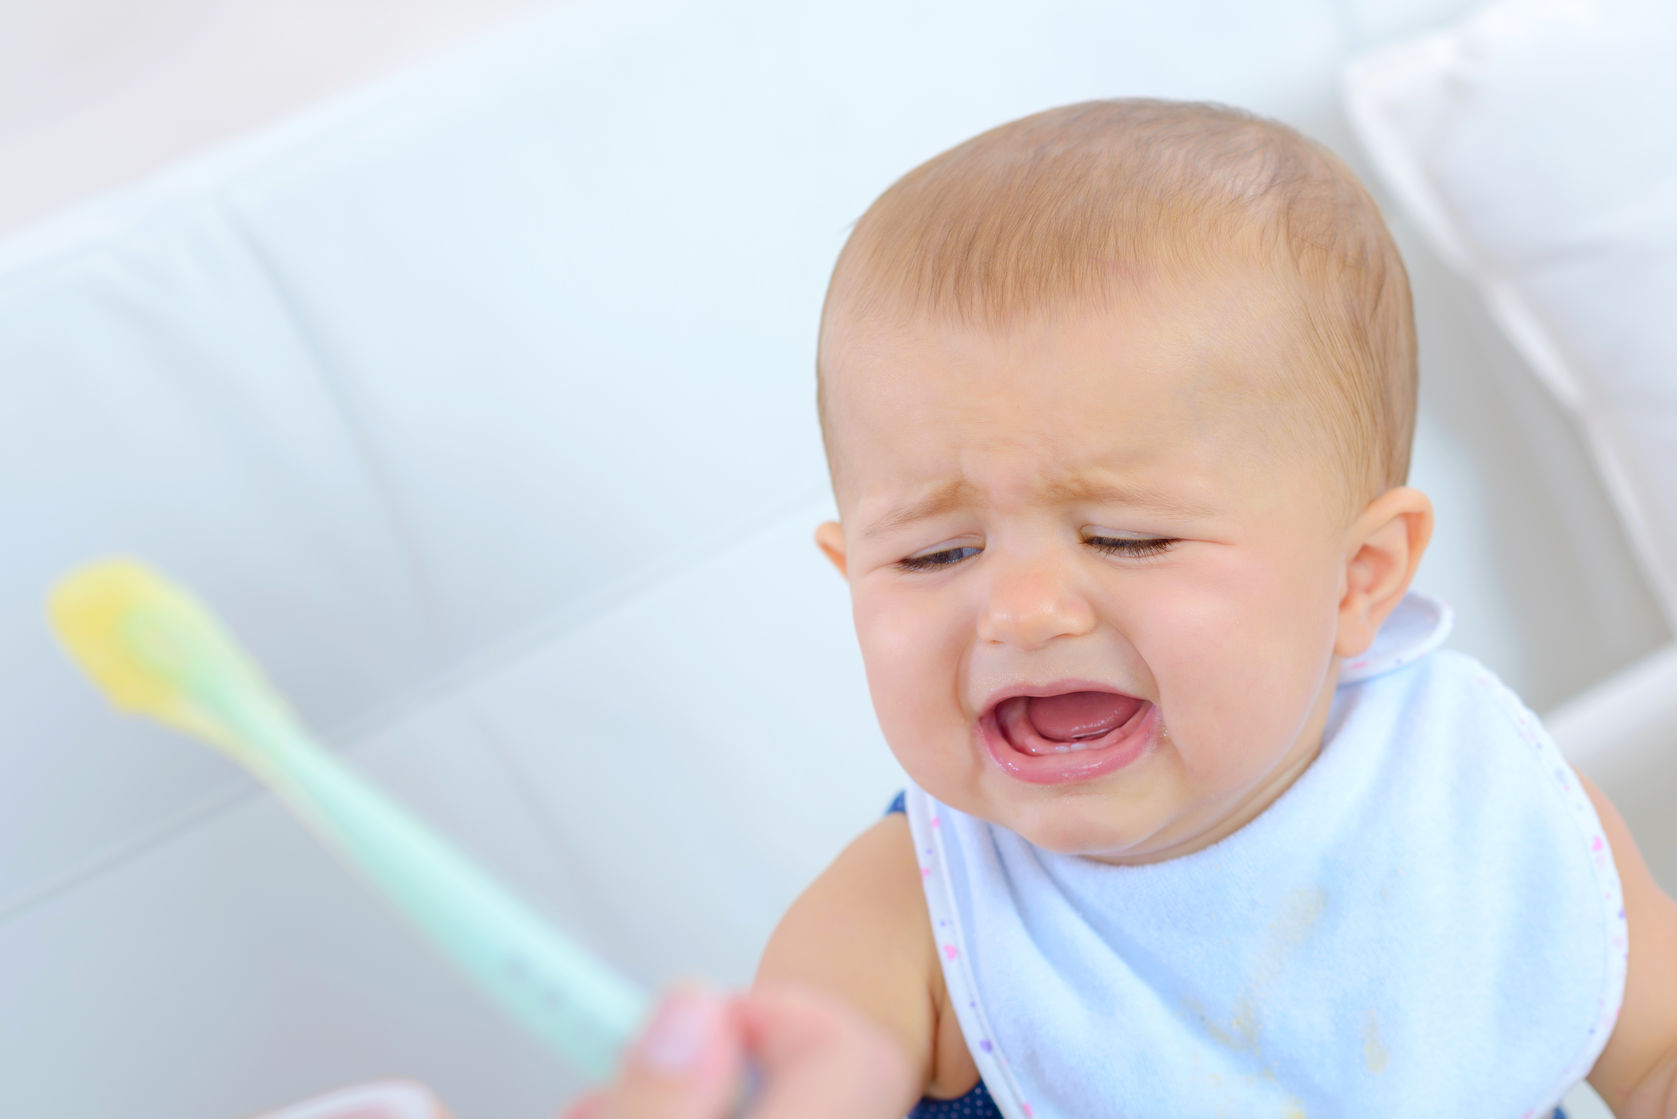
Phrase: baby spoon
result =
(154, 650)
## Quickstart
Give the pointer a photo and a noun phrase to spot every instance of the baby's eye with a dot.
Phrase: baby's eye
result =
(934, 559)
(1135, 549)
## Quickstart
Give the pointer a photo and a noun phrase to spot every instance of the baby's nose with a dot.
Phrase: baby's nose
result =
(1030, 603)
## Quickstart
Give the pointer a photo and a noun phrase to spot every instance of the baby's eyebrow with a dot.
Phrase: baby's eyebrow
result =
(959, 493)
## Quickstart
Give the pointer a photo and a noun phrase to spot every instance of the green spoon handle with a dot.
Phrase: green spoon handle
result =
(582, 1007)
(578, 1004)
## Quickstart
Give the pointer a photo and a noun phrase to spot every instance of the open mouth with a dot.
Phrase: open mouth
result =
(1064, 724)
(1073, 736)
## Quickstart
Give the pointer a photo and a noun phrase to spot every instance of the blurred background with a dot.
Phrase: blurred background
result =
(460, 356)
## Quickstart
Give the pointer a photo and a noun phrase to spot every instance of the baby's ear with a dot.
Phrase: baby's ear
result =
(1384, 547)
(829, 537)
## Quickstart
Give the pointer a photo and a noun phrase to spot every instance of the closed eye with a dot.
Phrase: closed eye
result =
(1134, 549)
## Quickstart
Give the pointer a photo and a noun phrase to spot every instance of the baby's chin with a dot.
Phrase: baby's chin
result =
(1106, 843)
(1104, 828)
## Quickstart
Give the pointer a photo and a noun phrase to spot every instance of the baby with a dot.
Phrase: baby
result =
(1117, 405)
(1118, 402)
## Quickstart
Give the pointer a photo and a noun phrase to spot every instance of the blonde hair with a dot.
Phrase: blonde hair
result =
(1072, 207)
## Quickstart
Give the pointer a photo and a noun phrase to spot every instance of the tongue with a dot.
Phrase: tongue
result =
(1074, 715)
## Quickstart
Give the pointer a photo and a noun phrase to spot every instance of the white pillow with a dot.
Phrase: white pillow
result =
(1535, 144)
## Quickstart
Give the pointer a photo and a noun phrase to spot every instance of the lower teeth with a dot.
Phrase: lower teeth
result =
(1072, 749)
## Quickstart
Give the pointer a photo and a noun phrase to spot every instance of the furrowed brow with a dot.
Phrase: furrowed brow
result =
(1140, 497)
(947, 497)
(954, 495)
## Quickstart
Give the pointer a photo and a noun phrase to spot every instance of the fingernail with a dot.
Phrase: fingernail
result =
(677, 1035)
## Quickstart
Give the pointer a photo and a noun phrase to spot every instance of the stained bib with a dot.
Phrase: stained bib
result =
(1426, 923)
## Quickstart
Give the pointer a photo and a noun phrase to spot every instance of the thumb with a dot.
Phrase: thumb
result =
(685, 1064)
(821, 1057)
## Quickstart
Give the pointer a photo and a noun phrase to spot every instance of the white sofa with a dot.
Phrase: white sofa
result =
(480, 403)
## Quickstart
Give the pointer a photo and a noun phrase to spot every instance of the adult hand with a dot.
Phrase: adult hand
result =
(820, 1058)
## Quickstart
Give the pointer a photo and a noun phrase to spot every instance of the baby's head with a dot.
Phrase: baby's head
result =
(1118, 400)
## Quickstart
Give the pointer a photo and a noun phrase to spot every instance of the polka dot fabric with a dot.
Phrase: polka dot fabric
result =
(976, 1104)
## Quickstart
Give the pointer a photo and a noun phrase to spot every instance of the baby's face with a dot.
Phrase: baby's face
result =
(1204, 583)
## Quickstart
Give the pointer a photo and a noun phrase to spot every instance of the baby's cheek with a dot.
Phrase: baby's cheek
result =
(897, 659)
(1219, 706)
(888, 630)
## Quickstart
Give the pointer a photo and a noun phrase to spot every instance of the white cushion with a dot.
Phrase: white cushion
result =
(418, 383)
(1534, 145)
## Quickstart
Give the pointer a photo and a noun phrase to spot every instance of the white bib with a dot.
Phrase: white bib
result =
(1426, 925)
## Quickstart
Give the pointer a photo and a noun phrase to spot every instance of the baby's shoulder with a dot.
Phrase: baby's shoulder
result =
(861, 931)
